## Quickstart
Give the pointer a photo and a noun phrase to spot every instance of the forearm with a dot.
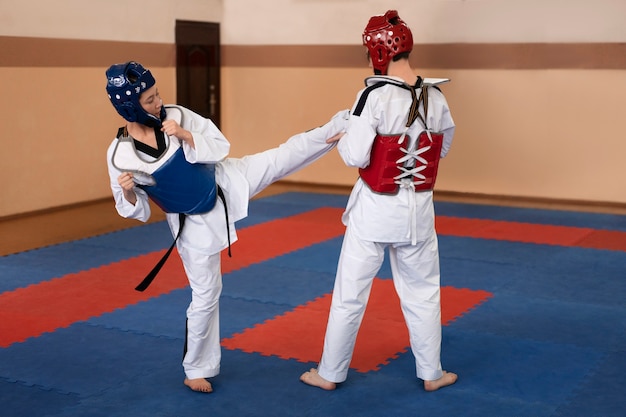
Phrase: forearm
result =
(130, 196)
(132, 204)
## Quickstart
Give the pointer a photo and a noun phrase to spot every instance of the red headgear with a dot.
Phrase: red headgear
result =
(385, 37)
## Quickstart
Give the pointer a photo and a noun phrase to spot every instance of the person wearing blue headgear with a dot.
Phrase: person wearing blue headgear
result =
(178, 159)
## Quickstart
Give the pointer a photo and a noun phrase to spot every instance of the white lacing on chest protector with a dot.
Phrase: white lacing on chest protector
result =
(411, 165)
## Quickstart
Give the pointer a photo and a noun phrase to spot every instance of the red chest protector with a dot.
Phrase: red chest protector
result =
(388, 169)
(392, 165)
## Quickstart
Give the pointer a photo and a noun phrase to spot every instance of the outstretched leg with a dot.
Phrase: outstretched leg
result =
(301, 150)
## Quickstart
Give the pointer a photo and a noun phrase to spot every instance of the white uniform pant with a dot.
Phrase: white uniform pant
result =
(202, 347)
(415, 270)
(203, 354)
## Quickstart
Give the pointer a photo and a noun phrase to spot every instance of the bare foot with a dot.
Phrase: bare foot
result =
(315, 380)
(448, 378)
(199, 385)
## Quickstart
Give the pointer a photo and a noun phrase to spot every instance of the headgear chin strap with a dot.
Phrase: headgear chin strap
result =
(386, 36)
(125, 83)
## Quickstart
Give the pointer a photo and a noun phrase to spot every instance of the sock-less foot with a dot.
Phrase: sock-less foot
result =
(314, 379)
(448, 378)
(199, 385)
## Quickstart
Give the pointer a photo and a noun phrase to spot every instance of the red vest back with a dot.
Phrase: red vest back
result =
(384, 174)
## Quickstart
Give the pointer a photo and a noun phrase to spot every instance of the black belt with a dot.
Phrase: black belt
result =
(145, 283)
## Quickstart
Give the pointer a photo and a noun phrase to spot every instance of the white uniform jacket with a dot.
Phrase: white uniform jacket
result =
(407, 216)
(203, 232)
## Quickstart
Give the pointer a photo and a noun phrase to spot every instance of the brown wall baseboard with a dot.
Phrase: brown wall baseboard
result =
(452, 196)
(46, 52)
(77, 221)
(471, 198)
(524, 56)
(532, 202)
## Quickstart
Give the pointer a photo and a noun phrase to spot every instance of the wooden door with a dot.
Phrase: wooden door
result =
(198, 67)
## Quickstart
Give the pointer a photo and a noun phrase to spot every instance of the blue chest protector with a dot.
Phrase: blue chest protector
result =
(183, 187)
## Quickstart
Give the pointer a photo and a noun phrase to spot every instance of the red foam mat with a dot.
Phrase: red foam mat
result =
(605, 239)
(44, 307)
(299, 333)
(532, 233)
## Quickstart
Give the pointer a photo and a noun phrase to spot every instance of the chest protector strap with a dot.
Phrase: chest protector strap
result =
(183, 187)
(394, 165)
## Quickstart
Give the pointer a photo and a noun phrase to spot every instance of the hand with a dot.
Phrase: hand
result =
(125, 180)
(335, 138)
(172, 128)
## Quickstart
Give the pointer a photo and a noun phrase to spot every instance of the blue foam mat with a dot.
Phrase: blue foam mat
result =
(548, 343)
(24, 400)
(601, 391)
(84, 359)
(537, 216)
(544, 271)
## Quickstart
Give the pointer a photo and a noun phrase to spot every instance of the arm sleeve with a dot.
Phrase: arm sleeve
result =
(211, 146)
(355, 146)
(440, 119)
(140, 210)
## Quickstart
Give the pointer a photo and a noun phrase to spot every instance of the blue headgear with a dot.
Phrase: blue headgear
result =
(125, 83)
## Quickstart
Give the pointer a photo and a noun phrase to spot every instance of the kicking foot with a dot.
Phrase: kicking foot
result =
(335, 138)
(199, 385)
(448, 378)
(314, 379)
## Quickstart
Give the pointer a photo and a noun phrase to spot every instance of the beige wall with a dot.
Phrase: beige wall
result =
(110, 20)
(546, 134)
(315, 22)
(523, 133)
(538, 111)
(56, 135)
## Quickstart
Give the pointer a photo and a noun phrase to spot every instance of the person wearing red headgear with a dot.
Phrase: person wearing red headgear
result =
(399, 128)
(178, 159)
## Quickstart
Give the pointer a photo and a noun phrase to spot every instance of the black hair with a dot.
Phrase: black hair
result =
(403, 55)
